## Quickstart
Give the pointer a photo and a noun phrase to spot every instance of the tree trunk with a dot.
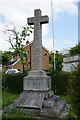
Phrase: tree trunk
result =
(23, 68)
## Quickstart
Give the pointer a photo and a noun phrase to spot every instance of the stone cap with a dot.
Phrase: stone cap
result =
(37, 73)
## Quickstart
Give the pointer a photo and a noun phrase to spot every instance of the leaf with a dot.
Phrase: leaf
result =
(30, 31)
(28, 34)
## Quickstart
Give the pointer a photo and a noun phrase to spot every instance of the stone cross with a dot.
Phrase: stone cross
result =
(37, 21)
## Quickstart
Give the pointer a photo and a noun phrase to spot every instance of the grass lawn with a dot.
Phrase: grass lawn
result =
(8, 98)
(66, 98)
(63, 97)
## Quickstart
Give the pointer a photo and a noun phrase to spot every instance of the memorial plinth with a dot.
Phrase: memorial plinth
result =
(37, 80)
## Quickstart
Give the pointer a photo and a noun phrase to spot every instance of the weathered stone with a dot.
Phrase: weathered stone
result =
(37, 83)
(37, 21)
(49, 102)
(54, 111)
(37, 80)
(64, 113)
(37, 73)
(28, 111)
(59, 107)
(50, 94)
(32, 100)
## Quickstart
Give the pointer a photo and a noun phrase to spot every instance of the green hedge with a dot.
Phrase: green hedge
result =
(74, 93)
(59, 82)
(13, 82)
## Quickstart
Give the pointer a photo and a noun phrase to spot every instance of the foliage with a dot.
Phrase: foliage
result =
(6, 57)
(71, 115)
(74, 92)
(0, 57)
(24, 59)
(16, 39)
(13, 82)
(59, 81)
(75, 50)
(63, 97)
(58, 60)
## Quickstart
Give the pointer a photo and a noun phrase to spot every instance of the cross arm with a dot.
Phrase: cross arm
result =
(30, 21)
(44, 19)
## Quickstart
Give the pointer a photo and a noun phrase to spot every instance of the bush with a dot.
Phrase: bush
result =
(74, 93)
(59, 82)
(13, 82)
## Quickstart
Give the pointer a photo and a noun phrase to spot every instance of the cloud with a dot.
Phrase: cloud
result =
(4, 44)
(68, 7)
(68, 42)
(48, 43)
(17, 12)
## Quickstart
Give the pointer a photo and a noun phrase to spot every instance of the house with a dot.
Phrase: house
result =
(69, 63)
(15, 63)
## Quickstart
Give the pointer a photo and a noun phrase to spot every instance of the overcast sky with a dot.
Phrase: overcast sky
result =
(65, 13)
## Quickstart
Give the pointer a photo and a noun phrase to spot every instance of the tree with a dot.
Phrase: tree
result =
(58, 60)
(75, 50)
(0, 57)
(6, 57)
(74, 92)
(16, 39)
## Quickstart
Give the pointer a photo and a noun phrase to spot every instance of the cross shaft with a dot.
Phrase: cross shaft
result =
(37, 21)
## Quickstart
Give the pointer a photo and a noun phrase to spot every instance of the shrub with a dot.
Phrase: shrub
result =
(58, 61)
(13, 82)
(74, 92)
(59, 81)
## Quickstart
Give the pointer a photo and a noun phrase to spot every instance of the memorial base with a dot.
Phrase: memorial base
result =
(38, 99)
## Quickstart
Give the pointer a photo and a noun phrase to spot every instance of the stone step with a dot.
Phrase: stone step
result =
(59, 107)
(1, 111)
(48, 103)
(56, 98)
(44, 118)
(31, 100)
(10, 107)
(48, 94)
(64, 113)
(55, 110)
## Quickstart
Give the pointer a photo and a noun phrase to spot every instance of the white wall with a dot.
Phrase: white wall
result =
(69, 66)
